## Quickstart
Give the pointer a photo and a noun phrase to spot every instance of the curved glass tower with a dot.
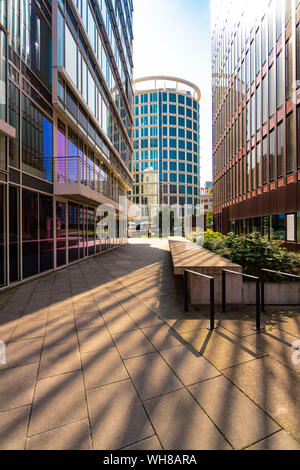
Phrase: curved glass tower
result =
(166, 139)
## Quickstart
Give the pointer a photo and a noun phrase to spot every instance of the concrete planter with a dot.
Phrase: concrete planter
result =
(275, 293)
(188, 255)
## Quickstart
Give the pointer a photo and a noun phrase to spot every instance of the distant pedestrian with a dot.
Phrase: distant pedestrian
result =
(149, 233)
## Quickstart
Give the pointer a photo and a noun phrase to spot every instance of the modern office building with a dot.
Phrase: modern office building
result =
(206, 199)
(65, 129)
(256, 117)
(166, 140)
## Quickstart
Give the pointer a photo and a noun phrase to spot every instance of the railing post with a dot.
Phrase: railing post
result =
(212, 305)
(223, 290)
(262, 280)
(186, 291)
(258, 287)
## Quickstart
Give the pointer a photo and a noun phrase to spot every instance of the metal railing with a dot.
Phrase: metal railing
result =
(263, 280)
(76, 169)
(212, 295)
(258, 282)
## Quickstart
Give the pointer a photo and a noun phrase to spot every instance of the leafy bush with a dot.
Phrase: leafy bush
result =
(253, 252)
(195, 237)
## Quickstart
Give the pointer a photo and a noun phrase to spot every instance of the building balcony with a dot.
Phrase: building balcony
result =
(79, 180)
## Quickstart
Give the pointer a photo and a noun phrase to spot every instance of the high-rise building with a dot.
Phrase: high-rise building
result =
(65, 129)
(166, 140)
(256, 117)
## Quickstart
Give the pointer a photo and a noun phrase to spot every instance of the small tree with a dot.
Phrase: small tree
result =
(209, 220)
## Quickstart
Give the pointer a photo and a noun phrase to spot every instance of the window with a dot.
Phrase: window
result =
(73, 232)
(60, 38)
(291, 228)
(30, 233)
(279, 90)
(288, 11)
(298, 136)
(264, 160)
(277, 229)
(3, 75)
(289, 69)
(259, 167)
(253, 127)
(45, 233)
(37, 143)
(264, 100)
(279, 5)
(271, 92)
(271, 29)
(71, 56)
(2, 234)
(298, 51)
(60, 234)
(280, 150)
(272, 156)
(252, 61)
(258, 108)
(257, 52)
(264, 43)
(290, 144)
(14, 120)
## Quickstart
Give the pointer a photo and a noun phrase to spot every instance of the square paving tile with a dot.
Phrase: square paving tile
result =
(29, 329)
(188, 365)
(84, 308)
(23, 352)
(274, 387)
(181, 424)
(278, 441)
(58, 401)
(102, 368)
(152, 443)
(238, 418)
(278, 344)
(117, 416)
(152, 376)
(7, 327)
(75, 436)
(221, 348)
(132, 343)
(94, 339)
(13, 427)
(291, 325)
(89, 320)
(58, 359)
(119, 321)
(162, 337)
(60, 333)
(17, 386)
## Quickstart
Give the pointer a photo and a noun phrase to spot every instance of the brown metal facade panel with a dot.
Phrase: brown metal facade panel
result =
(291, 198)
(275, 174)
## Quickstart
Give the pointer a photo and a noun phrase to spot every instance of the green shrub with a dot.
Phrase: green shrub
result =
(195, 237)
(253, 252)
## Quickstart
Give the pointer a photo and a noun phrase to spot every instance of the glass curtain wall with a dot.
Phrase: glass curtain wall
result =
(2, 234)
(37, 233)
(61, 245)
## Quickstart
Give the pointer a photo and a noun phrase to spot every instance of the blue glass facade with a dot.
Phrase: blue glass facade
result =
(166, 139)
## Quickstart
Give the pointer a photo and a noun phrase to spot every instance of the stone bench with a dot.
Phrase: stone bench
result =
(188, 255)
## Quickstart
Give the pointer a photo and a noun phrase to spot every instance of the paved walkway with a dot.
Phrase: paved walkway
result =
(98, 359)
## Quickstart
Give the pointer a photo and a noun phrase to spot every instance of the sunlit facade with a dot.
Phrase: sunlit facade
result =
(256, 117)
(166, 140)
(65, 129)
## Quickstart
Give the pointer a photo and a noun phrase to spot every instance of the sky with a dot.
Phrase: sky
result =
(172, 37)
